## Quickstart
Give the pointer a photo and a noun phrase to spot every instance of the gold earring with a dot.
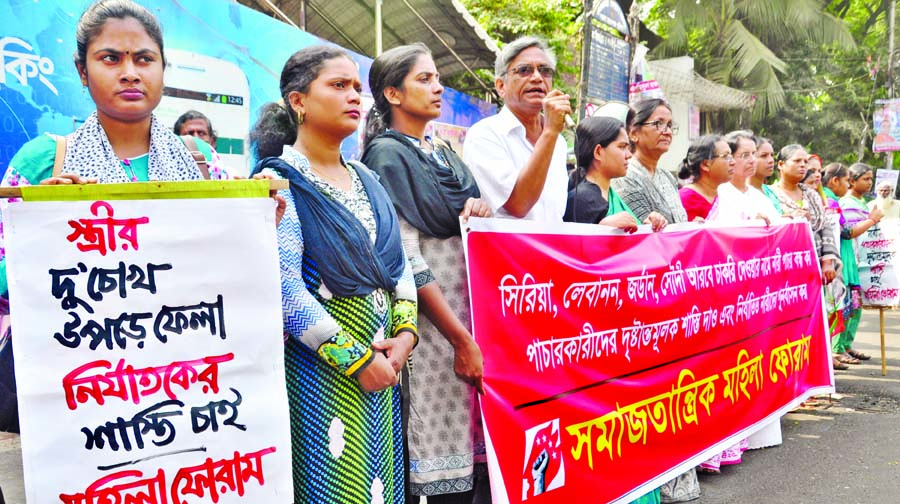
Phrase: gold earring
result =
(301, 117)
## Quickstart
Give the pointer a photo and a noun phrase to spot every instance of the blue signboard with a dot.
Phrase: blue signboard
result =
(224, 60)
(608, 78)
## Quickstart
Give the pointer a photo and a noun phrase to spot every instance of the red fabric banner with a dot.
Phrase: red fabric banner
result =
(615, 362)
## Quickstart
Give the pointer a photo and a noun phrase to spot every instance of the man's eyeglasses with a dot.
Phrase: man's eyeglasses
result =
(527, 70)
(727, 157)
(662, 127)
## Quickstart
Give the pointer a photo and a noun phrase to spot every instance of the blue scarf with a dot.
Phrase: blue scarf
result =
(337, 242)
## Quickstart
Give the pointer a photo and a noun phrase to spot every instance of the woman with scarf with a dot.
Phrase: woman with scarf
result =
(119, 57)
(860, 219)
(836, 184)
(431, 188)
(348, 293)
(645, 188)
(799, 200)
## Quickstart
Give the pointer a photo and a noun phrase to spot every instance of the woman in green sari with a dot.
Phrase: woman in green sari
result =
(601, 152)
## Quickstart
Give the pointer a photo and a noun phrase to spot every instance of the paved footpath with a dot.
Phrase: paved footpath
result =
(843, 449)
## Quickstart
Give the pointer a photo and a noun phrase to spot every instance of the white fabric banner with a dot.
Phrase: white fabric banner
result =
(149, 351)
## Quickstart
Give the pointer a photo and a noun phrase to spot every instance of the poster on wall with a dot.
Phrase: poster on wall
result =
(694, 122)
(224, 62)
(886, 125)
(149, 367)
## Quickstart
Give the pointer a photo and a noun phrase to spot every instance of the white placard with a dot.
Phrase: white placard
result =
(877, 255)
(149, 351)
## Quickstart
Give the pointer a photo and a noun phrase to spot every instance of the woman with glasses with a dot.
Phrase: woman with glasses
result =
(645, 188)
(738, 200)
(710, 163)
(765, 167)
(799, 200)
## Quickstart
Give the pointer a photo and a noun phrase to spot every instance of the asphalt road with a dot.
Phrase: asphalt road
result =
(844, 449)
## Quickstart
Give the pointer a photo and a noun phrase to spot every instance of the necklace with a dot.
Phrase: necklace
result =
(336, 180)
(126, 165)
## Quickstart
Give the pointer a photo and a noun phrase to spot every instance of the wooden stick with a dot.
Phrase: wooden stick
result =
(16, 192)
(881, 323)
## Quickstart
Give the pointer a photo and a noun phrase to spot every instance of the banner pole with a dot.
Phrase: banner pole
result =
(881, 323)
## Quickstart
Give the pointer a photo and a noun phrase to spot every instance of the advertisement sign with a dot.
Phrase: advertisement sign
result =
(886, 125)
(224, 61)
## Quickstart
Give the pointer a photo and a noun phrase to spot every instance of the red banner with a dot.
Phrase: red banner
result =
(615, 362)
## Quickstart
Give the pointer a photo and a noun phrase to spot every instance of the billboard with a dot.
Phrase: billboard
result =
(225, 60)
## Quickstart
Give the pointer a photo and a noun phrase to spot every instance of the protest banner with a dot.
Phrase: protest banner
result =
(148, 345)
(877, 256)
(615, 362)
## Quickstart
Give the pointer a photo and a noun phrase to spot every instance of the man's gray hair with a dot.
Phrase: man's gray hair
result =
(514, 48)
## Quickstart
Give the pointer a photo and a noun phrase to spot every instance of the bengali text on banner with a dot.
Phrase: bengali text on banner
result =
(615, 362)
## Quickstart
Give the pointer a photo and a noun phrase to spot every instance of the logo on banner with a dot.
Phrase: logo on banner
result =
(544, 468)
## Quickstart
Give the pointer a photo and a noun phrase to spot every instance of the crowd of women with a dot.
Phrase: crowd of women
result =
(354, 276)
(741, 182)
(371, 256)
(731, 178)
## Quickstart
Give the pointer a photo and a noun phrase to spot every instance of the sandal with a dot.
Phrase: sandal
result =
(846, 359)
(838, 365)
(856, 354)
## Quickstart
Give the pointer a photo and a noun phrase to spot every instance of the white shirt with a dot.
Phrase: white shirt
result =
(496, 150)
(734, 205)
(891, 212)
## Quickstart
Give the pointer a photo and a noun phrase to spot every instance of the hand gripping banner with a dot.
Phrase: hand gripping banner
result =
(615, 362)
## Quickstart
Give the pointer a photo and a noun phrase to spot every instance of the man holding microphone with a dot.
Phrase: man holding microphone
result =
(518, 156)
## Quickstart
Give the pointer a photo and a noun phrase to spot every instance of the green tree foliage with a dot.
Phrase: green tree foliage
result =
(832, 88)
(557, 21)
(742, 43)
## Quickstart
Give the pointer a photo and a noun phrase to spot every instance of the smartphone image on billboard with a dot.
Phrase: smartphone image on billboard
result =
(216, 88)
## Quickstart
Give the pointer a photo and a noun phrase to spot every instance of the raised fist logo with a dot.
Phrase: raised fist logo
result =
(544, 469)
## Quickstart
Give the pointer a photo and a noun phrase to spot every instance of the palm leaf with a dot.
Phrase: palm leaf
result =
(749, 51)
